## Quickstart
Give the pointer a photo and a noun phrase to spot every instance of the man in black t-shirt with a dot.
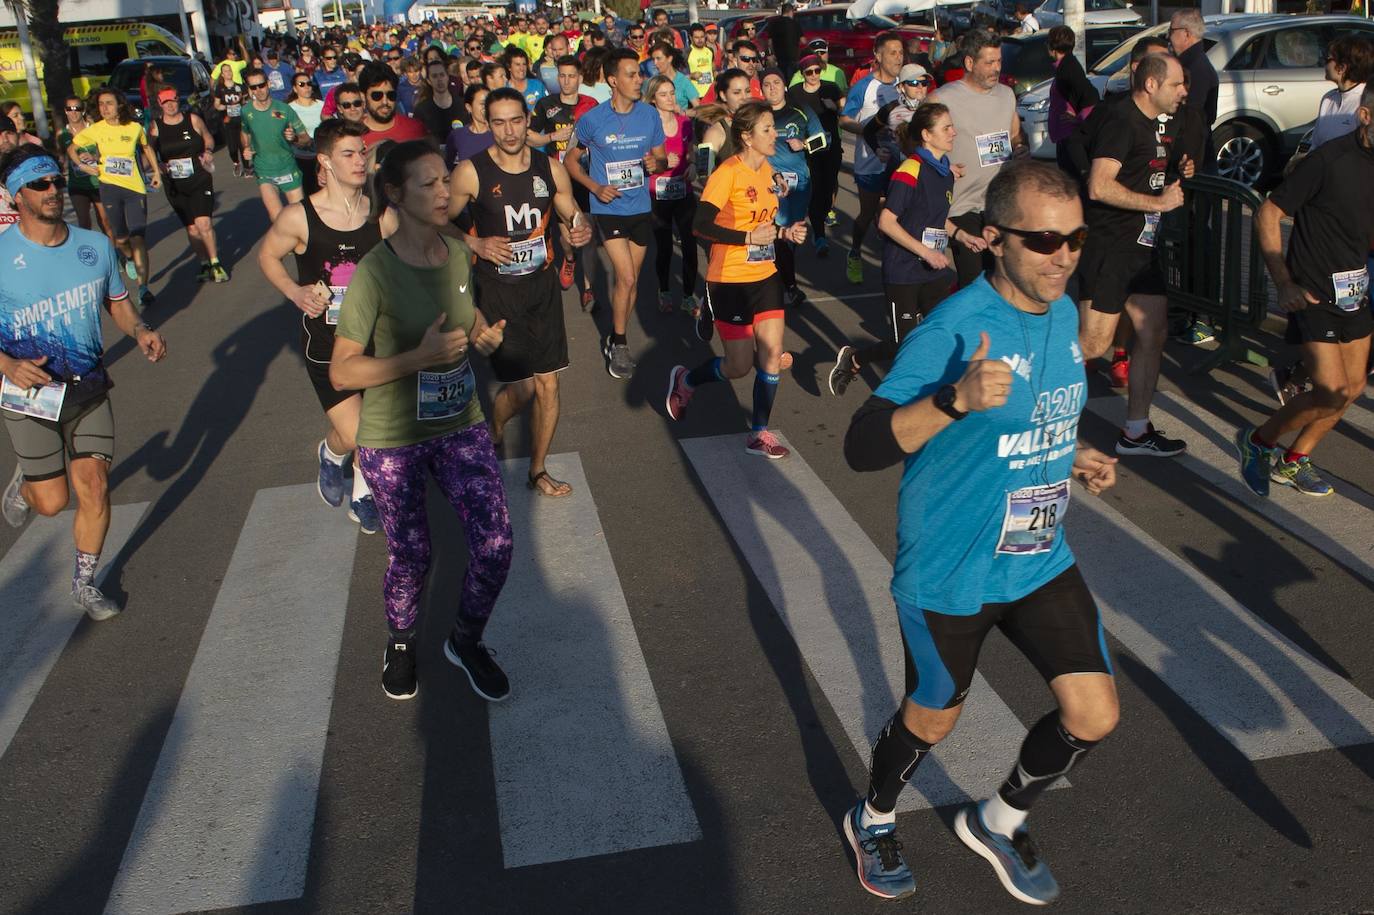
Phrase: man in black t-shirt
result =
(1323, 284)
(1132, 181)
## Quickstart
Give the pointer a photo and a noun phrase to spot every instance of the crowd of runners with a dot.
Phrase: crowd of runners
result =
(431, 192)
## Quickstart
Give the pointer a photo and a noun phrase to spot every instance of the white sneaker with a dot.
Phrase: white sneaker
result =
(16, 510)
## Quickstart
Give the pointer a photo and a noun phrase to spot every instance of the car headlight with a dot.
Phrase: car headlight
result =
(1037, 106)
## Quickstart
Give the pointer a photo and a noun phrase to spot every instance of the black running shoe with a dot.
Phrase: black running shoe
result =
(1151, 444)
(398, 669)
(475, 659)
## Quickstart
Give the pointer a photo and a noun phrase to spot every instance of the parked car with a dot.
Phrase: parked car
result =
(851, 40)
(1095, 12)
(188, 75)
(1271, 79)
(1026, 58)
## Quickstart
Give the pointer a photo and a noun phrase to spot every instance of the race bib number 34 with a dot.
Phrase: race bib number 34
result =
(993, 148)
(1032, 518)
(626, 175)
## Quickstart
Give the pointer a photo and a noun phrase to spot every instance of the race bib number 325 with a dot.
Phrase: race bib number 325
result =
(443, 395)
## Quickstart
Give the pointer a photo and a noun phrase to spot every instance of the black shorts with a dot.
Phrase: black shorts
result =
(90, 193)
(317, 345)
(639, 228)
(191, 198)
(908, 303)
(736, 306)
(1056, 627)
(1318, 324)
(535, 342)
(1113, 270)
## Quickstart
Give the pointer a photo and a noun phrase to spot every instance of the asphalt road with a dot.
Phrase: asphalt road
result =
(700, 646)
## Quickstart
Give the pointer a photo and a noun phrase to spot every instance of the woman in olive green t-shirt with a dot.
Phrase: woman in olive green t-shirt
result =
(409, 300)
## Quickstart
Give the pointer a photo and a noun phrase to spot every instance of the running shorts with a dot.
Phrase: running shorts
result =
(535, 342)
(90, 193)
(1056, 627)
(638, 229)
(191, 198)
(1318, 324)
(737, 307)
(317, 345)
(126, 210)
(909, 303)
(44, 448)
(1112, 271)
(284, 181)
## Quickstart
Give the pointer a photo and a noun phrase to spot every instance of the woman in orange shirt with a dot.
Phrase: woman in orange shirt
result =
(737, 214)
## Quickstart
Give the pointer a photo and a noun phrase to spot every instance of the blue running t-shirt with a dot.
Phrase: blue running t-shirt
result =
(618, 144)
(51, 299)
(981, 506)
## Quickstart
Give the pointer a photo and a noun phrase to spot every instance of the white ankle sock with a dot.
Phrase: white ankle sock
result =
(1135, 428)
(330, 455)
(1001, 817)
(869, 817)
(359, 484)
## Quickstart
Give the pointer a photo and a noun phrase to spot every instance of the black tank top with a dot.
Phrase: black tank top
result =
(518, 208)
(330, 257)
(180, 146)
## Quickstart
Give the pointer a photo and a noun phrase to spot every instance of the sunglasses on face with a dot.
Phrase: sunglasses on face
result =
(1049, 242)
(302, 83)
(42, 184)
(749, 30)
(748, 60)
(257, 85)
(377, 95)
(74, 108)
(635, 36)
(331, 57)
(393, 57)
(349, 105)
(810, 70)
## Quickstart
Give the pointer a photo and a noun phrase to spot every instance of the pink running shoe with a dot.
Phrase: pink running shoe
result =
(766, 444)
(679, 395)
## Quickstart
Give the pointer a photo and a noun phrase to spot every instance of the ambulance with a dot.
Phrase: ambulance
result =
(94, 50)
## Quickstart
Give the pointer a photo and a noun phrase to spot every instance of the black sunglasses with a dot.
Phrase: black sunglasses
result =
(257, 85)
(75, 108)
(748, 60)
(377, 95)
(393, 57)
(304, 82)
(357, 104)
(1049, 242)
(331, 57)
(42, 184)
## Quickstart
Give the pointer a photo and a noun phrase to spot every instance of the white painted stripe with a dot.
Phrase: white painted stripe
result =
(228, 814)
(583, 761)
(39, 616)
(841, 298)
(829, 584)
(1340, 525)
(1360, 415)
(1251, 683)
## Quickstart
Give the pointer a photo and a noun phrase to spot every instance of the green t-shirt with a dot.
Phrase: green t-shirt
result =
(77, 180)
(390, 304)
(831, 74)
(272, 154)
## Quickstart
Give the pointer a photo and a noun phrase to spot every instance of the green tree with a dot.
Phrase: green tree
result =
(626, 9)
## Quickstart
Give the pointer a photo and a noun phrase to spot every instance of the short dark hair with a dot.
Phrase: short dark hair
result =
(1143, 48)
(491, 67)
(505, 94)
(978, 39)
(1001, 206)
(613, 59)
(744, 43)
(470, 93)
(1152, 66)
(567, 60)
(347, 87)
(1061, 38)
(695, 27)
(376, 73)
(885, 37)
(252, 72)
(332, 130)
(1356, 52)
(513, 52)
(392, 169)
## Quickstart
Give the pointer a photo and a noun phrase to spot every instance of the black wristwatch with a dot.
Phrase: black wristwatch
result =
(944, 399)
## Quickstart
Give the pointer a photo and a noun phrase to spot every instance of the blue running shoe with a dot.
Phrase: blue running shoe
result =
(130, 270)
(1014, 860)
(1256, 462)
(1302, 476)
(878, 857)
(364, 511)
(333, 483)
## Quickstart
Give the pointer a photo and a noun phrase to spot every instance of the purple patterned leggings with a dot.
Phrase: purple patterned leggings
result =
(464, 465)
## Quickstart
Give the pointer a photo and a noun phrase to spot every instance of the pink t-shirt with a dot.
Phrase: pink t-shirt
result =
(672, 183)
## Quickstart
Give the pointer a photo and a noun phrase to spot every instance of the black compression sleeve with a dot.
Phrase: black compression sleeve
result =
(704, 226)
(870, 443)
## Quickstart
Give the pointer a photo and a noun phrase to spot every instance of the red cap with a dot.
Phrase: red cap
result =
(167, 95)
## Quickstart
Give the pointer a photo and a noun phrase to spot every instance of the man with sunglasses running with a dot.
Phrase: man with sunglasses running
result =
(1132, 180)
(269, 130)
(55, 391)
(991, 381)
(380, 115)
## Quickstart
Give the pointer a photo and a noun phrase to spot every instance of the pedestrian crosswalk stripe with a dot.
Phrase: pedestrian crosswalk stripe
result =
(583, 761)
(227, 817)
(1360, 416)
(829, 583)
(1340, 525)
(1263, 693)
(36, 597)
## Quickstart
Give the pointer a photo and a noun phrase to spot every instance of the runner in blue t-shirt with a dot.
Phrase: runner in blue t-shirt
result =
(992, 383)
(54, 392)
(625, 140)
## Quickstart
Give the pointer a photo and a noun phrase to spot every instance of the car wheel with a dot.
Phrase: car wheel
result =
(1244, 153)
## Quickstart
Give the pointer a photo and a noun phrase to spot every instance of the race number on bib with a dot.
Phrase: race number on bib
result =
(282, 179)
(1352, 287)
(935, 239)
(40, 403)
(670, 188)
(181, 168)
(331, 313)
(233, 111)
(443, 395)
(626, 175)
(788, 180)
(1033, 517)
(1147, 234)
(993, 148)
(759, 254)
(526, 257)
(119, 166)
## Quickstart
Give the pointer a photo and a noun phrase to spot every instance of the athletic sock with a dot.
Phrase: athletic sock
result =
(1048, 752)
(1292, 457)
(331, 457)
(1135, 428)
(705, 373)
(85, 569)
(1256, 440)
(360, 487)
(765, 392)
(896, 754)
(619, 340)
(1118, 354)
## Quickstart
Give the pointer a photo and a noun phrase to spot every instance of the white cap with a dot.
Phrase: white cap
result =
(911, 73)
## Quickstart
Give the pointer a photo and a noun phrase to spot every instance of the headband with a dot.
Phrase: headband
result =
(30, 170)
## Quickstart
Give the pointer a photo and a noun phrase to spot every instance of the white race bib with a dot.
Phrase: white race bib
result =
(759, 254)
(443, 395)
(935, 239)
(626, 175)
(40, 403)
(233, 110)
(282, 179)
(119, 166)
(331, 313)
(666, 188)
(526, 257)
(1147, 234)
(993, 148)
(181, 168)
(1032, 518)
(1352, 287)
(788, 179)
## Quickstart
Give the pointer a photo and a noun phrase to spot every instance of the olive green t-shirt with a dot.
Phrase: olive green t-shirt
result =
(390, 304)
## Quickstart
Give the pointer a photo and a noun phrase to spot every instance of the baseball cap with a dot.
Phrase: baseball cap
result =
(818, 44)
(167, 95)
(912, 73)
